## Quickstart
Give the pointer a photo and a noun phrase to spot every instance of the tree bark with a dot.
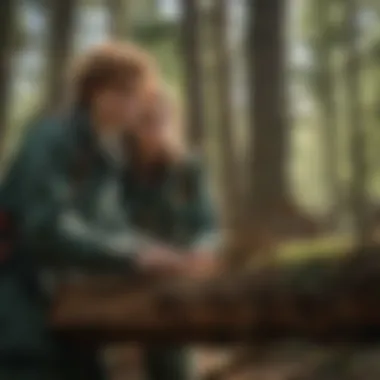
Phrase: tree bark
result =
(269, 129)
(8, 25)
(62, 20)
(324, 89)
(273, 214)
(230, 168)
(356, 125)
(191, 52)
(324, 300)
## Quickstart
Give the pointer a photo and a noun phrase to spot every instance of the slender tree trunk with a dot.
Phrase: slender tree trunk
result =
(230, 166)
(8, 24)
(324, 88)
(269, 129)
(273, 216)
(120, 21)
(356, 125)
(191, 51)
(62, 18)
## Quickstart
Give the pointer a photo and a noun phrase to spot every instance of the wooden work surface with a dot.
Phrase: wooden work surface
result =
(105, 308)
(321, 300)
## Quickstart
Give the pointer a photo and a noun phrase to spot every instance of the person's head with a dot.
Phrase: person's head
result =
(110, 80)
(157, 135)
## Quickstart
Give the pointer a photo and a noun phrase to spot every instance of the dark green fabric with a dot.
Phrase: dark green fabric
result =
(63, 195)
(174, 207)
(46, 196)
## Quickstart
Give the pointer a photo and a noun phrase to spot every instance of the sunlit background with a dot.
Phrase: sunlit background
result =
(282, 98)
(328, 112)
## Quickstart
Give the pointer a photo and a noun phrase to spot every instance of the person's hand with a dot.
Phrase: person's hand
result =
(162, 261)
(201, 266)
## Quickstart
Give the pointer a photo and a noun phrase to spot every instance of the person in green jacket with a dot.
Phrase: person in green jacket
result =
(60, 209)
(166, 196)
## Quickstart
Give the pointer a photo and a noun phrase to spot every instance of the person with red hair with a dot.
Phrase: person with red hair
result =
(61, 208)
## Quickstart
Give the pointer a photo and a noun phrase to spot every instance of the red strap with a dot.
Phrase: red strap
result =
(4, 220)
(5, 249)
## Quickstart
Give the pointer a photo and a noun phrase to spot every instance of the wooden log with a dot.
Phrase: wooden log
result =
(321, 299)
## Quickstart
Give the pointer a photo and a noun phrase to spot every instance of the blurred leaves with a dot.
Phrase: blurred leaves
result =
(155, 32)
(20, 37)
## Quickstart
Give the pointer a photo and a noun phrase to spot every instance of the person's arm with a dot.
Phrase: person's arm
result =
(55, 232)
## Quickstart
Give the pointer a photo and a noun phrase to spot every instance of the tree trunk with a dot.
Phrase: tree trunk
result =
(356, 125)
(119, 11)
(324, 89)
(273, 216)
(269, 208)
(230, 168)
(62, 20)
(8, 24)
(191, 52)
(269, 129)
(321, 299)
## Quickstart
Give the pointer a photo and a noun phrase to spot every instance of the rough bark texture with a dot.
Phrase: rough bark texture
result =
(325, 300)
(191, 53)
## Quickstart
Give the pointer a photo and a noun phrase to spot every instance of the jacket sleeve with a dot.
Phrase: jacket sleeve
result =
(50, 226)
(207, 236)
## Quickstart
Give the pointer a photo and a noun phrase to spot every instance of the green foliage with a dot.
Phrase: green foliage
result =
(20, 36)
(155, 32)
(322, 19)
(161, 39)
(328, 246)
(373, 46)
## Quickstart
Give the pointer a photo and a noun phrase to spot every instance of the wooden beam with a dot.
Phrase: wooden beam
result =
(322, 300)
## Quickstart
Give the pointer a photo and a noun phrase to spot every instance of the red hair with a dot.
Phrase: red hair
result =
(161, 106)
(112, 64)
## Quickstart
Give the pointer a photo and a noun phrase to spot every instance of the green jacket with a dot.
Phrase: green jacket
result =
(63, 194)
(175, 206)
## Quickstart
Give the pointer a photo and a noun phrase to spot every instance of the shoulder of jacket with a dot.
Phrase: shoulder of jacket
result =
(46, 131)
